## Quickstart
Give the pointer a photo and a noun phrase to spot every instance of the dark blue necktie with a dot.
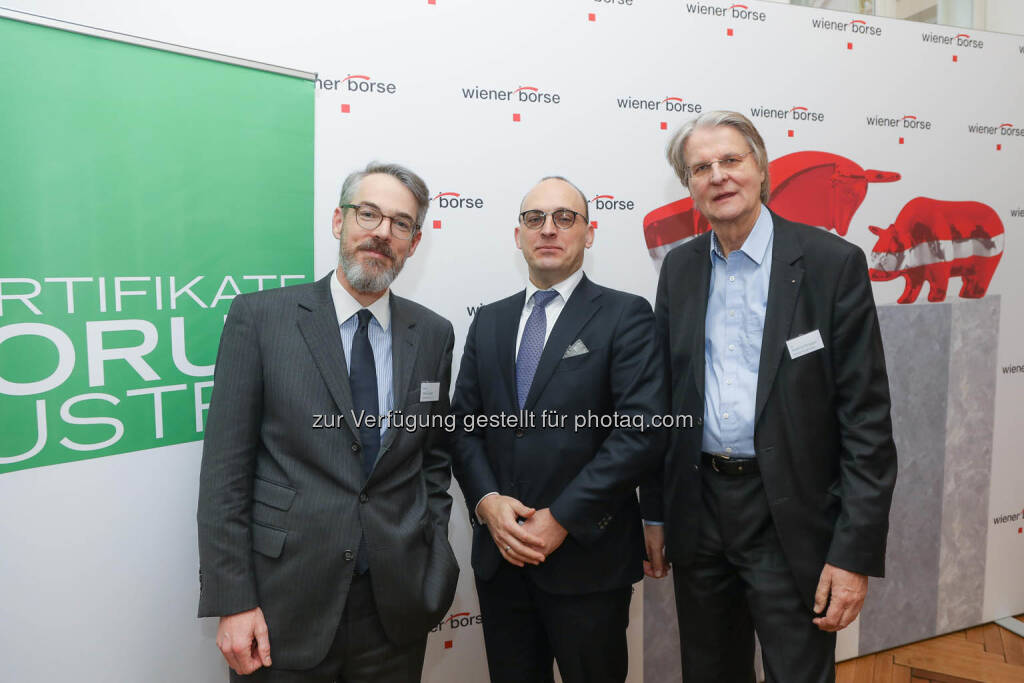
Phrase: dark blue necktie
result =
(362, 379)
(532, 344)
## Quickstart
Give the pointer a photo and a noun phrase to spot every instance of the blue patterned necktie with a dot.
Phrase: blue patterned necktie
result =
(532, 343)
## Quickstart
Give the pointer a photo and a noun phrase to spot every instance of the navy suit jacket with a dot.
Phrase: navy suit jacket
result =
(587, 476)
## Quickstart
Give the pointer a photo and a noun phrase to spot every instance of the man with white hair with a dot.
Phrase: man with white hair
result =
(775, 509)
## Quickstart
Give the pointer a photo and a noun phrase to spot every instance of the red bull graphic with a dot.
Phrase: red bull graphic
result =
(817, 188)
(933, 240)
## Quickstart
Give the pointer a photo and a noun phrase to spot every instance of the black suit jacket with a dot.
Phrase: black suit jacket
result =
(822, 435)
(282, 502)
(588, 477)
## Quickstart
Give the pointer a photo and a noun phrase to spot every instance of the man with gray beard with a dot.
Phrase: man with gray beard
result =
(328, 548)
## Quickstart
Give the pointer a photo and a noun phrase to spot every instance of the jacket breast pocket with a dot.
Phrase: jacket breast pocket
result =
(583, 360)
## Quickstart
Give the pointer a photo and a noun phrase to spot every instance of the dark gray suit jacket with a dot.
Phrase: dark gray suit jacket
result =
(282, 503)
(822, 431)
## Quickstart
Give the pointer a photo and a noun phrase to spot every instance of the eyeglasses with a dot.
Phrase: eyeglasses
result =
(728, 163)
(368, 217)
(562, 218)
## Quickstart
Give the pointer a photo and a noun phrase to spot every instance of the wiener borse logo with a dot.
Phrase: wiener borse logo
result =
(524, 94)
(905, 122)
(357, 83)
(854, 26)
(959, 40)
(733, 11)
(798, 113)
(668, 104)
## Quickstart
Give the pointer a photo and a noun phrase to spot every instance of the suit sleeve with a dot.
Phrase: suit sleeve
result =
(867, 457)
(437, 451)
(637, 382)
(472, 469)
(652, 505)
(227, 583)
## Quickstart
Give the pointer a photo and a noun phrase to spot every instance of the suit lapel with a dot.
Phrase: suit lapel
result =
(405, 341)
(783, 289)
(507, 322)
(580, 308)
(700, 272)
(318, 324)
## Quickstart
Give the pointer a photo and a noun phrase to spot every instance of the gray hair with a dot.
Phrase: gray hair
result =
(711, 119)
(586, 204)
(410, 180)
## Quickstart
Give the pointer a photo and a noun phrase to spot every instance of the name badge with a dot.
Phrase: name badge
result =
(804, 344)
(430, 391)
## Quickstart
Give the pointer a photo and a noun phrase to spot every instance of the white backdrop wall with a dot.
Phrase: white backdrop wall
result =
(425, 56)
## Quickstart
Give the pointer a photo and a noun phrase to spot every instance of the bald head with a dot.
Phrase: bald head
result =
(580, 205)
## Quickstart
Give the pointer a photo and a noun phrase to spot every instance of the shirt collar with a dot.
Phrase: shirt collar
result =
(345, 305)
(565, 288)
(756, 245)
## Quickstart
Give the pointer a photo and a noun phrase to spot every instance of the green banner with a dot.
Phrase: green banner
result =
(140, 191)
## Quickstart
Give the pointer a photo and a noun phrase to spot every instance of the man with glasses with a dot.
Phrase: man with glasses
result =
(775, 509)
(561, 381)
(323, 532)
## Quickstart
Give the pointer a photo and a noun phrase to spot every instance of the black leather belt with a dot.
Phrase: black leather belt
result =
(729, 466)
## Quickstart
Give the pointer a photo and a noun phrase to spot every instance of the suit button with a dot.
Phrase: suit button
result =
(355, 448)
(519, 432)
(349, 555)
(363, 497)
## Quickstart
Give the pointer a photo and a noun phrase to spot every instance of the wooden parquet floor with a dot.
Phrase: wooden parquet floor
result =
(983, 654)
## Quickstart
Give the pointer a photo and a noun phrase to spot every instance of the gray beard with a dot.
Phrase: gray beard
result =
(368, 279)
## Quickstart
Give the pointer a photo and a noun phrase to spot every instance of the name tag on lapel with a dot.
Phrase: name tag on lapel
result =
(430, 391)
(804, 344)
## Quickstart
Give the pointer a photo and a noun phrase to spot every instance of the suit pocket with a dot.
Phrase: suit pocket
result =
(268, 540)
(275, 495)
(576, 362)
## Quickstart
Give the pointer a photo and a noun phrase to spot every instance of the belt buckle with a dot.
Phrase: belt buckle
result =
(715, 457)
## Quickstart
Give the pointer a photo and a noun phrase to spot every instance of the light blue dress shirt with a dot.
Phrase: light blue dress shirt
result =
(733, 328)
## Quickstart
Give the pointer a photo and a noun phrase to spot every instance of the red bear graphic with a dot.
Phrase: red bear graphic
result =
(934, 240)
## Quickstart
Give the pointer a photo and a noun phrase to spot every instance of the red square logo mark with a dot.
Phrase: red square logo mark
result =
(345, 109)
(849, 46)
(593, 224)
(591, 17)
(664, 125)
(789, 133)
(901, 141)
(437, 225)
(447, 644)
(998, 147)
(431, 2)
(954, 58)
(515, 117)
(728, 31)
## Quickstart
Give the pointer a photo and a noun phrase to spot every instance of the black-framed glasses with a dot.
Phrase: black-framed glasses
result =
(368, 217)
(562, 218)
(727, 163)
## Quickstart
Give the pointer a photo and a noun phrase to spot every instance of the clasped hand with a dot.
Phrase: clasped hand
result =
(523, 534)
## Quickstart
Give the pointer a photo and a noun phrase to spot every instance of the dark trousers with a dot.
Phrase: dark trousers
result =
(525, 628)
(739, 583)
(361, 652)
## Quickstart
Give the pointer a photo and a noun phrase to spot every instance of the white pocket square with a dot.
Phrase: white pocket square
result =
(577, 348)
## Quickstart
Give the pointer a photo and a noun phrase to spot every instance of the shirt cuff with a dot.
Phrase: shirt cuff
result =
(648, 522)
(477, 507)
